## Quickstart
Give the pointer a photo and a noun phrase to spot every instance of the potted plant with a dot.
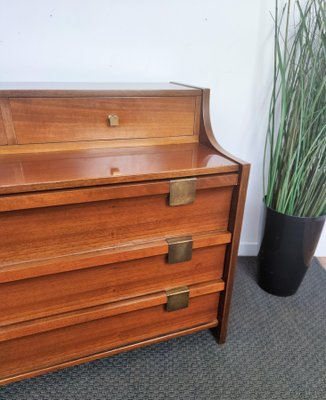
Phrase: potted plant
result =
(295, 150)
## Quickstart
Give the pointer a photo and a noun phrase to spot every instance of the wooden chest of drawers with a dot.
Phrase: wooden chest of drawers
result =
(120, 218)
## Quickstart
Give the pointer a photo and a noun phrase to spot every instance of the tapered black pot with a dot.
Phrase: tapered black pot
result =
(286, 251)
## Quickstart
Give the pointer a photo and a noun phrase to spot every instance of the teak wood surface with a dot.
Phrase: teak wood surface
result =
(132, 250)
(46, 232)
(48, 295)
(53, 347)
(85, 221)
(59, 170)
(83, 315)
(44, 120)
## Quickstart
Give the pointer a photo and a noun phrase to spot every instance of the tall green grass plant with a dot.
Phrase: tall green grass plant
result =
(295, 150)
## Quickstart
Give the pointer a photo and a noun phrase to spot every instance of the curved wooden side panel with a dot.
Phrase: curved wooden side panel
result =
(206, 135)
(206, 132)
(236, 214)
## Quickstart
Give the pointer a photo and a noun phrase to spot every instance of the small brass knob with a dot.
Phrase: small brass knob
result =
(113, 120)
(115, 172)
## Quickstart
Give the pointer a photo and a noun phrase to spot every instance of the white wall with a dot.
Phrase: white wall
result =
(226, 46)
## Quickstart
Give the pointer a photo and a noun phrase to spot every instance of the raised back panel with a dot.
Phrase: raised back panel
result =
(42, 117)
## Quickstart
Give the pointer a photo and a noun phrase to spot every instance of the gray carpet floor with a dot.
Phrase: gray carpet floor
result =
(276, 349)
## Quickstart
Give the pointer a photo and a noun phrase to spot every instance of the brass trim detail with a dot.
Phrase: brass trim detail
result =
(182, 191)
(113, 120)
(177, 298)
(180, 249)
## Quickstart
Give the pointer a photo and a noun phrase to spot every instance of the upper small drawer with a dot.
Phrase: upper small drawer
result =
(52, 120)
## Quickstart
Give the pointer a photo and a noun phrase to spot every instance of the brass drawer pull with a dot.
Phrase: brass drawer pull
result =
(177, 298)
(180, 249)
(113, 120)
(182, 191)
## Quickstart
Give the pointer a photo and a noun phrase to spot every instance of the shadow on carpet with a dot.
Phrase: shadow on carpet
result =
(276, 349)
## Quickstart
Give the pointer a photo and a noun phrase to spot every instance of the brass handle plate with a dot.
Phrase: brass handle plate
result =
(177, 298)
(182, 191)
(180, 249)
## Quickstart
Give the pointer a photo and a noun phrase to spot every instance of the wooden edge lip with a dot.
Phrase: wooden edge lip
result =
(132, 346)
(95, 182)
(26, 94)
(188, 86)
(59, 321)
(22, 201)
(64, 147)
(94, 89)
(116, 254)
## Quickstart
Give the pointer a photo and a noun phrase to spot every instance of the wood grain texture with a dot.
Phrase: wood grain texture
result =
(107, 353)
(60, 170)
(3, 137)
(99, 193)
(106, 310)
(83, 238)
(53, 294)
(65, 120)
(42, 350)
(53, 231)
(7, 122)
(133, 250)
(94, 144)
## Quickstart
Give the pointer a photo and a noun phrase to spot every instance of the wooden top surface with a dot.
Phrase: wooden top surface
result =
(57, 170)
(93, 89)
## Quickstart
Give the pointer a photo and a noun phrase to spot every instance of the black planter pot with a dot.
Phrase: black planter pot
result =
(286, 251)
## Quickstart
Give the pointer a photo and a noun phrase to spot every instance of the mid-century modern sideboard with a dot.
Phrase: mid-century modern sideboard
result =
(120, 218)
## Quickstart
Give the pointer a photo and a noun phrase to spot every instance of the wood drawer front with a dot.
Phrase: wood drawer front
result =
(57, 231)
(46, 349)
(45, 120)
(53, 294)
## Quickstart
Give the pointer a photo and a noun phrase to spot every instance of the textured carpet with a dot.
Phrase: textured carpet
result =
(276, 349)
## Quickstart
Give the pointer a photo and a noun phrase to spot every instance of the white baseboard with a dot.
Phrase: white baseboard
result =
(252, 248)
(248, 249)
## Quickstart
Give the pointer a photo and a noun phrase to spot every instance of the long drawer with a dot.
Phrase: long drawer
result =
(43, 120)
(59, 223)
(46, 344)
(31, 291)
